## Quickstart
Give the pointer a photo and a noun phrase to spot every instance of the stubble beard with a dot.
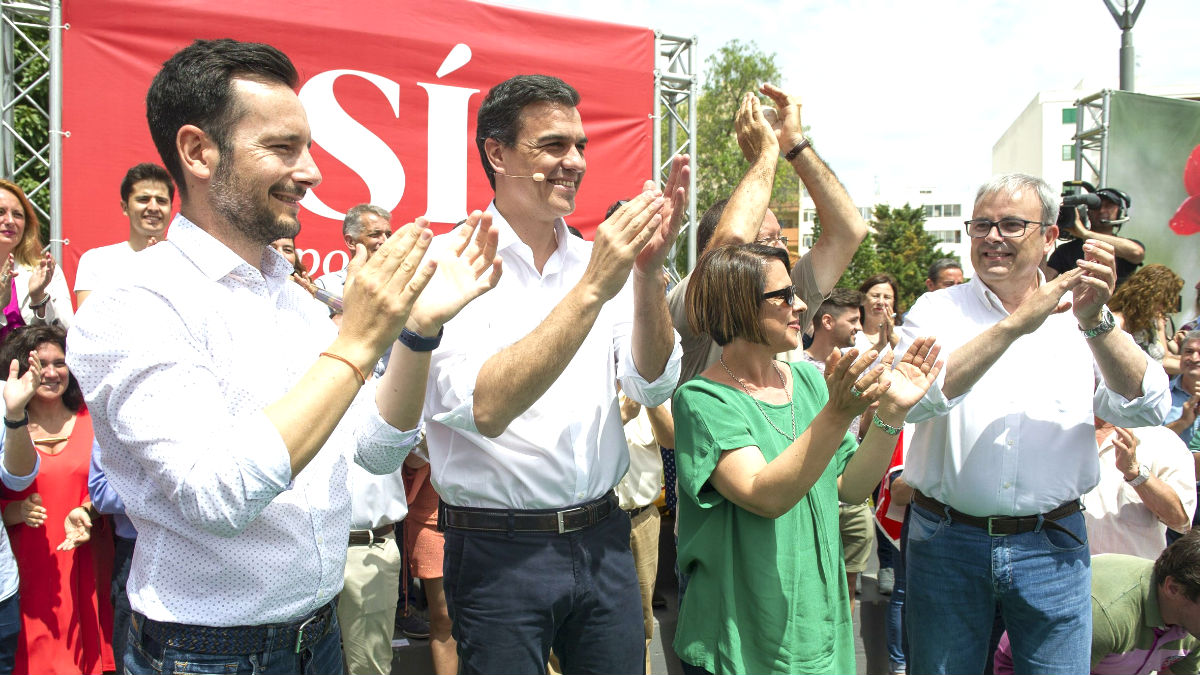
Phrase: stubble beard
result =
(232, 200)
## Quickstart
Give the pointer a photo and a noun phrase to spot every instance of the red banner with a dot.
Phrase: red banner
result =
(391, 90)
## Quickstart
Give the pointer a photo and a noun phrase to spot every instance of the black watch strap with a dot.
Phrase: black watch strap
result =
(420, 343)
(18, 423)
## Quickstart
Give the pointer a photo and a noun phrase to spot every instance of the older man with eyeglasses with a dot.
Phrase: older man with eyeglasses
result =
(1004, 444)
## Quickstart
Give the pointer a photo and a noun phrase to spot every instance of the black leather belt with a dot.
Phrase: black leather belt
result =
(998, 526)
(368, 537)
(548, 520)
(300, 634)
(635, 511)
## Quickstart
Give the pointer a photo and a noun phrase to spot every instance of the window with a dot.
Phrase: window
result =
(810, 215)
(1068, 152)
(1068, 115)
(947, 236)
(942, 210)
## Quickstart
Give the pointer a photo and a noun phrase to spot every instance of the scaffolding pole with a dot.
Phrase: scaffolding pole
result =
(1091, 137)
(676, 92)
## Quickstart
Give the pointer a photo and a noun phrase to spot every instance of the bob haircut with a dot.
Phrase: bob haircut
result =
(25, 339)
(28, 250)
(725, 292)
(884, 278)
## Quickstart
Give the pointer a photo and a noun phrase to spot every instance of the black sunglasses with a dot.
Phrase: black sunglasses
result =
(788, 293)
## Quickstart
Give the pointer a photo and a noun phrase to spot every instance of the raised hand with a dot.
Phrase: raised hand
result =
(852, 387)
(19, 390)
(912, 376)
(1046, 300)
(79, 528)
(6, 275)
(380, 290)
(652, 257)
(40, 277)
(1097, 282)
(32, 511)
(1125, 452)
(466, 269)
(620, 240)
(755, 135)
(788, 130)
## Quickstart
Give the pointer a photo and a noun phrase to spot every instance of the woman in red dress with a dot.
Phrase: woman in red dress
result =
(63, 628)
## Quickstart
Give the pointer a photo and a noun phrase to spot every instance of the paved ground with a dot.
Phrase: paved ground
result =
(412, 658)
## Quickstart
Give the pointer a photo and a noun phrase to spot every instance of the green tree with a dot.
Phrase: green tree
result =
(735, 68)
(31, 124)
(905, 248)
(900, 246)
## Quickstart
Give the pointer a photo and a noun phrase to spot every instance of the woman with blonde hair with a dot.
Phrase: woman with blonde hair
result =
(1141, 306)
(32, 288)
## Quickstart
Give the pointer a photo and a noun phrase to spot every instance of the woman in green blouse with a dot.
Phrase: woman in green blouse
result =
(763, 456)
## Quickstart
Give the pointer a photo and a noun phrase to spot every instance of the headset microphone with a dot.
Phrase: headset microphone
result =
(537, 177)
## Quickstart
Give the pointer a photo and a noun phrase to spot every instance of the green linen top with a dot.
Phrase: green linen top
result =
(764, 595)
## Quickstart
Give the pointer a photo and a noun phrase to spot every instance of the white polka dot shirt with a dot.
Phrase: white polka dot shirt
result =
(177, 364)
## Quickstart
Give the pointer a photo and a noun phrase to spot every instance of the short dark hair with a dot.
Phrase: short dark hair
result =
(500, 113)
(841, 300)
(708, 224)
(1181, 562)
(942, 264)
(725, 291)
(25, 339)
(146, 171)
(195, 86)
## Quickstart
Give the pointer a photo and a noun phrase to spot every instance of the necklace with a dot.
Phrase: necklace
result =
(783, 383)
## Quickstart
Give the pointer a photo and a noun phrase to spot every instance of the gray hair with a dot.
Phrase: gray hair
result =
(942, 264)
(352, 225)
(1189, 336)
(1012, 183)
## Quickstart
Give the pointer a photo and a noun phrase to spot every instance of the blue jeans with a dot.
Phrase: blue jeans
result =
(10, 630)
(324, 657)
(513, 596)
(122, 558)
(897, 662)
(958, 575)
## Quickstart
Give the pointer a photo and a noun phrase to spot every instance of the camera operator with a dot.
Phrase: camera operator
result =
(1105, 220)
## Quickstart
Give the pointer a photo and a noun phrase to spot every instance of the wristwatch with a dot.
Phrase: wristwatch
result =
(1107, 323)
(1142, 477)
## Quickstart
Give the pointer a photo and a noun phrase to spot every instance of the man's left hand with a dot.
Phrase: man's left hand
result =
(1097, 283)
(468, 268)
(1125, 447)
(651, 259)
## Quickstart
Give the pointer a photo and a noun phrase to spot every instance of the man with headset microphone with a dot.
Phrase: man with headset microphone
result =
(1106, 216)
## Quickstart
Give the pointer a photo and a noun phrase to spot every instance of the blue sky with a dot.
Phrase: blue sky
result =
(908, 94)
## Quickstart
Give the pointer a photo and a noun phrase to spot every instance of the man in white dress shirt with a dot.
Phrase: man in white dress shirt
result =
(1004, 444)
(227, 403)
(525, 437)
(146, 196)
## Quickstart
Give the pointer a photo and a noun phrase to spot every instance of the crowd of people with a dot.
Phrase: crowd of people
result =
(213, 463)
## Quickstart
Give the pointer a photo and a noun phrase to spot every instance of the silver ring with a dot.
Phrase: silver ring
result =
(855, 391)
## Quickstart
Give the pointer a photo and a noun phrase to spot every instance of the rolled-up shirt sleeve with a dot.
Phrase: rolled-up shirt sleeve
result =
(12, 482)
(1148, 410)
(636, 387)
(167, 415)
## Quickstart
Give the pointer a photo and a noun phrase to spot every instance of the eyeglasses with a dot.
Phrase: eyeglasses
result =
(787, 293)
(770, 241)
(1007, 227)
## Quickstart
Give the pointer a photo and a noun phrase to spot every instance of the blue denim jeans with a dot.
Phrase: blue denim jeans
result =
(10, 630)
(958, 575)
(122, 558)
(324, 657)
(513, 596)
(896, 644)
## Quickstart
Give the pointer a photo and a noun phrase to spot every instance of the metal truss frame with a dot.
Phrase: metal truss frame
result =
(676, 95)
(33, 22)
(1091, 137)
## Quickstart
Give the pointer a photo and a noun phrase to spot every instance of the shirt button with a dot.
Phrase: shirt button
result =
(579, 495)
(1008, 486)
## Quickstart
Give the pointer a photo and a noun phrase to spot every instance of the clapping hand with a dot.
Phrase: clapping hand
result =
(1097, 283)
(466, 269)
(911, 377)
(755, 135)
(852, 386)
(652, 256)
(1125, 452)
(40, 277)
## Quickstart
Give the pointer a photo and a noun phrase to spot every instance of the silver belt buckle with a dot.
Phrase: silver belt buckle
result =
(990, 520)
(561, 526)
